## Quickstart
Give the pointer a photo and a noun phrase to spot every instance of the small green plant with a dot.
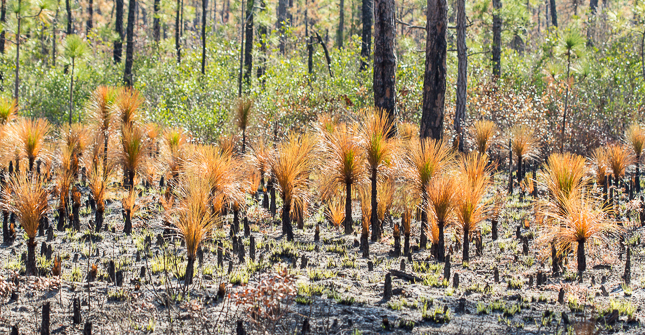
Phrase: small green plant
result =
(624, 308)
(483, 308)
(438, 315)
(318, 274)
(627, 290)
(304, 300)
(574, 304)
(515, 283)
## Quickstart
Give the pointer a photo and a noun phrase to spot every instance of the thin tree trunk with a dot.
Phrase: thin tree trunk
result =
(554, 13)
(17, 79)
(349, 221)
(239, 77)
(262, 34)
(129, 50)
(462, 72)
(423, 239)
(366, 36)
(566, 103)
(70, 23)
(178, 33)
(3, 21)
(156, 25)
(204, 14)
(466, 247)
(282, 23)
(54, 35)
(341, 24)
(376, 228)
(497, 38)
(90, 14)
(248, 48)
(384, 58)
(118, 43)
(310, 47)
(71, 93)
(434, 82)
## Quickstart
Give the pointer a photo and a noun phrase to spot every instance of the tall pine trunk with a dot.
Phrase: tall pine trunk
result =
(282, 22)
(384, 58)
(71, 93)
(70, 23)
(341, 24)
(366, 36)
(434, 80)
(462, 72)
(497, 38)
(554, 13)
(118, 43)
(129, 49)
(90, 15)
(204, 15)
(3, 21)
(156, 23)
(16, 88)
(178, 32)
(248, 47)
(54, 35)
(262, 34)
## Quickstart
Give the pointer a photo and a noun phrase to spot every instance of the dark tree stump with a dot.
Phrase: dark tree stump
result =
(403, 265)
(220, 255)
(111, 271)
(247, 227)
(627, 276)
(76, 305)
(561, 296)
(387, 294)
(455, 281)
(446, 268)
(525, 246)
(119, 278)
(239, 329)
(44, 326)
(303, 262)
(252, 248)
(496, 274)
(493, 224)
(316, 237)
(370, 266)
(87, 329)
(14, 330)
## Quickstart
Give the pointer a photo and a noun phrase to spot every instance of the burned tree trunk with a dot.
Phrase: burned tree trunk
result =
(129, 51)
(118, 43)
(366, 35)
(248, 47)
(497, 38)
(384, 58)
(434, 81)
(462, 72)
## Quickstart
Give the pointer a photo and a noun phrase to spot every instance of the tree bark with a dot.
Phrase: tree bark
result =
(118, 43)
(16, 91)
(248, 47)
(554, 13)
(497, 38)
(434, 81)
(465, 256)
(282, 22)
(156, 23)
(582, 260)
(423, 239)
(441, 247)
(71, 93)
(341, 24)
(462, 72)
(178, 33)
(31, 257)
(54, 37)
(349, 222)
(90, 14)
(129, 50)
(70, 23)
(239, 77)
(262, 34)
(190, 269)
(287, 229)
(204, 15)
(384, 58)
(376, 228)
(366, 36)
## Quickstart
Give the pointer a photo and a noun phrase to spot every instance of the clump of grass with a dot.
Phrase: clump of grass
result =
(441, 199)
(425, 159)
(474, 178)
(619, 159)
(484, 131)
(379, 148)
(344, 165)
(194, 221)
(8, 110)
(26, 197)
(291, 167)
(243, 108)
(30, 136)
